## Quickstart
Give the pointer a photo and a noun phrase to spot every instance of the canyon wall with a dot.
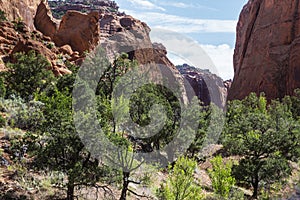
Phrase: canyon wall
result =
(267, 50)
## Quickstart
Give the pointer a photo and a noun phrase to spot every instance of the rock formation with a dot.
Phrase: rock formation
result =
(18, 38)
(44, 21)
(267, 51)
(117, 32)
(24, 10)
(126, 34)
(208, 87)
(79, 30)
(59, 8)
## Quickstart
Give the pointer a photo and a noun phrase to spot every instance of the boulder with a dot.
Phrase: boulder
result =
(79, 30)
(27, 45)
(126, 34)
(66, 49)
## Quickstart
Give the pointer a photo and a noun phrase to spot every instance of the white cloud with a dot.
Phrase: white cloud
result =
(218, 59)
(176, 4)
(179, 4)
(222, 56)
(184, 5)
(144, 4)
(184, 24)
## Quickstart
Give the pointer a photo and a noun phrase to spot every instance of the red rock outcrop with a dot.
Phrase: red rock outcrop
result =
(17, 9)
(8, 37)
(123, 33)
(20, 39)
(79, 30)
(44, 22)
(26, 45)
(267, 51)
(117, 33)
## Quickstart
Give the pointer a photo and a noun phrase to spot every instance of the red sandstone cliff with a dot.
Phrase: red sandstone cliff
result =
(267, 51)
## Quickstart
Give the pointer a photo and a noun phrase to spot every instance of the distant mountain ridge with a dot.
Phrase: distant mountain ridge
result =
(59, 8)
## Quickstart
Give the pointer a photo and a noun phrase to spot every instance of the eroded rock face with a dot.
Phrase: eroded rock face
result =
(267, 51)
(44, 22)
(126, 34)
(206, 86)
(78, 30)
(26, 45)
(24, 10)
(8, 37)
(14, 40)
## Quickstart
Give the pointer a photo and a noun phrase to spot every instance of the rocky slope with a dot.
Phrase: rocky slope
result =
(267, 50)
(18, 38)
(115, 31)
(208, 87)
(24, 10)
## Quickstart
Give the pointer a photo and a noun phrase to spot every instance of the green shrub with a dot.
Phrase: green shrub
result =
(27, 116)
(220, 174)
(28, 75)
(180, 184)
(2, 16)
(50, 45)
(265, 137)
(2, 121)
(19, 25)
(2, 88)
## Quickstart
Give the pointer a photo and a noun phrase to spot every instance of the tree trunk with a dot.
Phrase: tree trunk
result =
(70, 192)
(255, 188)
(125, 185)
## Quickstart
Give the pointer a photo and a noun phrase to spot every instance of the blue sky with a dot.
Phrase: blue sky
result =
(210, 23)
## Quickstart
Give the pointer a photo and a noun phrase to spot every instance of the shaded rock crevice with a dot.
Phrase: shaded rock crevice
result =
(294, 21)
(249, 32)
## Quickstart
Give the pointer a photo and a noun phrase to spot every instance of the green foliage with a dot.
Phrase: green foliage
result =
(21, 114)
(113, 72)
(210, 119)
(2, 121)
(2, 16)
(141, 106)
(60, 148)
(19, 25)
(66, 82)
(50, 45)
(2, 88)
(265, 137)
(28, 75)
(180, 184)
(294, 103)
(220, 174)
